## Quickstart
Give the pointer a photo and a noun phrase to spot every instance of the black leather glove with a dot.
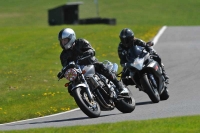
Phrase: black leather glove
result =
(149, 44)
(59, 75)
(149, 49)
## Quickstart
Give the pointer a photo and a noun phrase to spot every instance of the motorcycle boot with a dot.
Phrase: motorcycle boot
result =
(122, 89)
(164, 73)
(112, 77)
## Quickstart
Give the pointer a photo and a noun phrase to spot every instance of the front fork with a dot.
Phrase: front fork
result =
(87, 89)
(137, 83)
(86, 86)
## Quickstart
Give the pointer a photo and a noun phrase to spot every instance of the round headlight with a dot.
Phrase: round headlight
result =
(71, 74)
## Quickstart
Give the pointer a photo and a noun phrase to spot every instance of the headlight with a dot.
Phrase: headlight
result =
(71, 74)
(138, 63)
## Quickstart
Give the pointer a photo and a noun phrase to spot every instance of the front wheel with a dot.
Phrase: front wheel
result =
(126, 104)
(90, 108)
(164, 95)
(151, 91)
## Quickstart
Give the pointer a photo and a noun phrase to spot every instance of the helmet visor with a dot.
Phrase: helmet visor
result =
(126, 41)
(64, 41)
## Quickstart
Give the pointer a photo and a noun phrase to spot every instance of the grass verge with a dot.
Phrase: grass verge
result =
(186, 124)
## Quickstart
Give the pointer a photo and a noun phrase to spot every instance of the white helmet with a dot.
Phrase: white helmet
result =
(69, 34)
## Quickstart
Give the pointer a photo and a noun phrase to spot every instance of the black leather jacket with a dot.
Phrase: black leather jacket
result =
(81, 47)
(122, 51)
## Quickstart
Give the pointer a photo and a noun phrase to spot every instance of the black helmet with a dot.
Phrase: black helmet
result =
(126, 36)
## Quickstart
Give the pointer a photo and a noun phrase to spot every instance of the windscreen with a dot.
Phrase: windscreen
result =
(134, 52)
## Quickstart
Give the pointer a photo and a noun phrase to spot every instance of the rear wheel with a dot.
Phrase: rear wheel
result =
(127, 104)
(151, 91)
(90, 108)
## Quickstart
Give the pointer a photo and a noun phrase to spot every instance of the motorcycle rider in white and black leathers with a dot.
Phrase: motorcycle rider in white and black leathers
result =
(127, 39)
(74, 48)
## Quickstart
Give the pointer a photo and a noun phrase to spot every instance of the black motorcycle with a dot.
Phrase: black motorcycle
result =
(146, 74)
(93, 92)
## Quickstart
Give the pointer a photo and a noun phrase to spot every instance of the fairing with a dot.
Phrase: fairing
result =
(88, 70)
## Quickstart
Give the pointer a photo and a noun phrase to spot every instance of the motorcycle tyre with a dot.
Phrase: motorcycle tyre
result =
(126, 106)
(83, 106)
(164, 95)
(155, 98)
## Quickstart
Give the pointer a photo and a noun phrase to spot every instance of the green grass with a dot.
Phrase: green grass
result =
(30, 51)
(184, 124)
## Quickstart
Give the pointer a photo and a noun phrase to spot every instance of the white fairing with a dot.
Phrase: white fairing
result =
(151, 64)
(115, 68)
(138, 63)
(110, 66)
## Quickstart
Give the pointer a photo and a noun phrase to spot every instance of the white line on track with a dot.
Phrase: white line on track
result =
(161, 31)
(40, 117)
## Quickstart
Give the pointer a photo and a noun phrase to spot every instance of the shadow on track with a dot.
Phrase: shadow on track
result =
(62, 120)
(144, 103)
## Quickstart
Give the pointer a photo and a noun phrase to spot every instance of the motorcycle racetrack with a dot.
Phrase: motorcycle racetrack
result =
(180, 52)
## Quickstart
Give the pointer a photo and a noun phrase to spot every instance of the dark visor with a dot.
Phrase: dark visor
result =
(125, 41)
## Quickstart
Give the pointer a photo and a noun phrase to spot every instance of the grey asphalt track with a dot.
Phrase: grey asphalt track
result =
(179, 48)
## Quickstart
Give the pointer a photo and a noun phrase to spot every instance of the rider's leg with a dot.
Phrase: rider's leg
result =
(158, 59)
(111, 76)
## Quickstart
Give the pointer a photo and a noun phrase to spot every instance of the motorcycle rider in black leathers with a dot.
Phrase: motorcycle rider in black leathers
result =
(74, 48)
(127, 40)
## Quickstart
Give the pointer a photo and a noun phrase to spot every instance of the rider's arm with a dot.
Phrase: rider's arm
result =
(64, 58)
(147, 45)
(139, 42)
(64, 62)
(122, 55)
(86, 48)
